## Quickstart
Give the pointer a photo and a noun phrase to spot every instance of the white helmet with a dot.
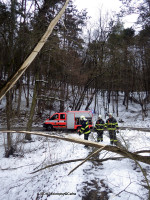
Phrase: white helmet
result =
(82, 117)
(100, 116)
(110, 114)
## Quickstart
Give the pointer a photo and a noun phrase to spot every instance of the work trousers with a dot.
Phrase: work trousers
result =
(86, 136)
(100, 136)
(112, 135)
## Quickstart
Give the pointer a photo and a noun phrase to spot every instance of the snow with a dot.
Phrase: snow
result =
(111, 179)
(17, 182)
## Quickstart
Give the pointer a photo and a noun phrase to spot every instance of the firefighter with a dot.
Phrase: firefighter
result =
(99, 127)
(111, 125)
(84, 128)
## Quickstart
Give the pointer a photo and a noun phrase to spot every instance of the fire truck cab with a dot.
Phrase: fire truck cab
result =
(67, 120)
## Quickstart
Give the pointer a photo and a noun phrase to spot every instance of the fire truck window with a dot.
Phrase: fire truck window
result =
(62, 116)
(77, 120)
(54, 117)
(90, 122)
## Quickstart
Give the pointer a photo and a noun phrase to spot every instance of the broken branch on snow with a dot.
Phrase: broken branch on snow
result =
(77, 160)
(114, 149)
(92, 154)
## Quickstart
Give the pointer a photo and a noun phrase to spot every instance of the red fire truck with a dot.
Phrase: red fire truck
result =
(67, 120)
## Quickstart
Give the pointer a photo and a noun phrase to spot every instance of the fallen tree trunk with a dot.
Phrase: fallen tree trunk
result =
(114, 149)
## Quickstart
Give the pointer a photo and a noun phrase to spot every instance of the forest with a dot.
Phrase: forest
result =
(75, 67)
(70, 66)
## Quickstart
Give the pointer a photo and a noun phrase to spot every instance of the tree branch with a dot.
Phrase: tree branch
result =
(115, 149)
(92, 154)
(10, 83)
(76, 160)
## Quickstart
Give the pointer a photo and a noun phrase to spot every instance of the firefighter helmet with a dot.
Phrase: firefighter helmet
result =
(82, 117)
(100, 116)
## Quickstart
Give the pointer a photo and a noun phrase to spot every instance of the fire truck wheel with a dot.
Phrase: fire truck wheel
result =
(49, 127)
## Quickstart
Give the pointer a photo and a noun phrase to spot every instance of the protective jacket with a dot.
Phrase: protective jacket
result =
(85, 127)
(111, 124)
(99, 126)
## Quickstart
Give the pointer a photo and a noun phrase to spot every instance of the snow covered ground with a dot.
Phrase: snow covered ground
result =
(119, 179)
(112, 179)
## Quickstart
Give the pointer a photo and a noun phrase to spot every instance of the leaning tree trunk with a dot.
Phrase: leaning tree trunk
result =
(91, 99)
(32, 110)
(14, 78)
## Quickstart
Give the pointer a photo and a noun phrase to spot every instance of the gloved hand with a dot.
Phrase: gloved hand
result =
(80, 133)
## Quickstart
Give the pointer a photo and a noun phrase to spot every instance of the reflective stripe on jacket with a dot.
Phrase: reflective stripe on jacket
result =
(111, 124)
(99, 126)
(85, 128)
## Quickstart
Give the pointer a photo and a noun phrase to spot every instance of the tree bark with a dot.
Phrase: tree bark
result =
(8, 114)
(32, 110)
(114, 149)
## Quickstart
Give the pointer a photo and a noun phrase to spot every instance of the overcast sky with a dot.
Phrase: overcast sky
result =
(94, 6)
